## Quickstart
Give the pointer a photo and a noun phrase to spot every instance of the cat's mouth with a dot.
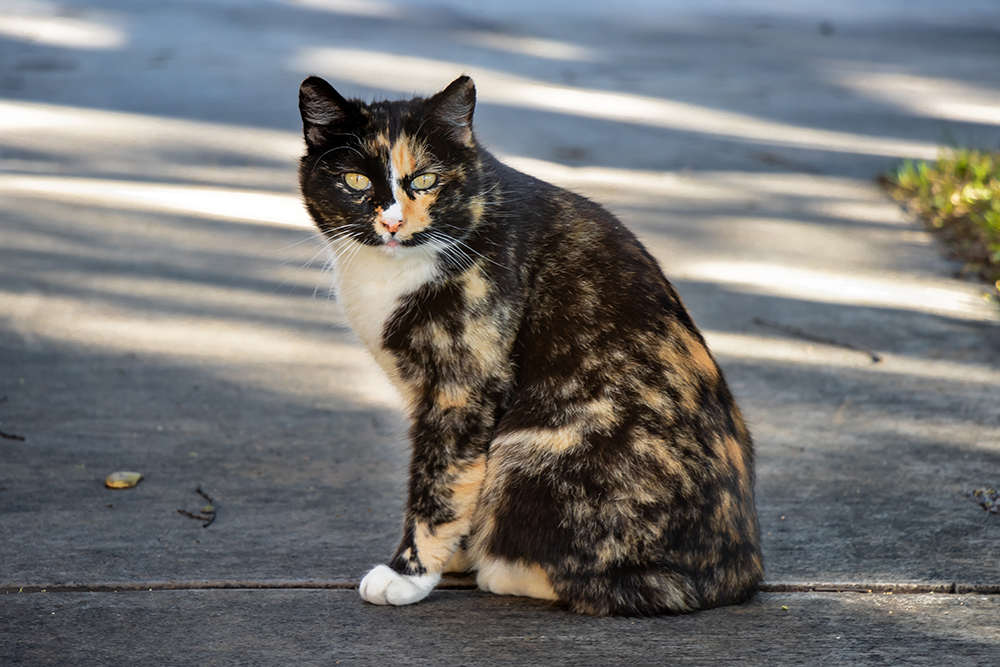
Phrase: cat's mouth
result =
(392, 246)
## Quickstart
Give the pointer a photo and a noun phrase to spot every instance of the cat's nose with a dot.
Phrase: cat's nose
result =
(392, 218)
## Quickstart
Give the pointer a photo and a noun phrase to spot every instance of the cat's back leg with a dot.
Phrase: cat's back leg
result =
(595, 519)
(504, 577)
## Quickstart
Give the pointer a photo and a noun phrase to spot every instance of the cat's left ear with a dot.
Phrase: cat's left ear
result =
(322, 108)
(453, 108)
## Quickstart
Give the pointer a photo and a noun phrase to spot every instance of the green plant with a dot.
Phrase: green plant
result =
(959, 198)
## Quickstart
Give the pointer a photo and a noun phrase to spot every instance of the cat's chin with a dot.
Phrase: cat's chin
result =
(391, 249)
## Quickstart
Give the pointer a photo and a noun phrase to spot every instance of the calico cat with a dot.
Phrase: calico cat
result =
(572, 437)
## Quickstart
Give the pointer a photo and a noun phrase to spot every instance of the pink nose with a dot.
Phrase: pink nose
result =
(392, 217)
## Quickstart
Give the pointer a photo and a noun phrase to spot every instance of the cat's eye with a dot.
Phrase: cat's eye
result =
(423, 181)
(357, 181)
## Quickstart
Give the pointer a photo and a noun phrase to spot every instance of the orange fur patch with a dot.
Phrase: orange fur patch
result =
(485, 343)
(700, 360)
(405, 158)
(520, 445)
(378, 144)
(437, 545)
(451, 396)
(506, 578)
(476, 287)
(734, 452)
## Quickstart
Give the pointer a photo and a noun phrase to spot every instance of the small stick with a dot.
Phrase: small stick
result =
(207, 517)
(211, 503)
(805, 335)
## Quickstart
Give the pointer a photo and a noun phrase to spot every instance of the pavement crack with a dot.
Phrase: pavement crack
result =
(951, 588)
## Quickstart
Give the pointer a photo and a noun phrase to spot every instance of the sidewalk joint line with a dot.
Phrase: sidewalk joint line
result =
(468, 583)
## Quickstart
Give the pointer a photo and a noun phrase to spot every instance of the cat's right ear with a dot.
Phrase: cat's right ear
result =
(323, 109)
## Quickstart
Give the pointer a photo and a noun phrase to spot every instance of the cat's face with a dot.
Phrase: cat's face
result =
(392, 175)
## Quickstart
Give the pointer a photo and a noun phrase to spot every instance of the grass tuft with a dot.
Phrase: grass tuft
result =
(958, 197)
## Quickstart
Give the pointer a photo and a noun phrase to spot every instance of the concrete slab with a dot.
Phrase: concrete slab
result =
(471, 628)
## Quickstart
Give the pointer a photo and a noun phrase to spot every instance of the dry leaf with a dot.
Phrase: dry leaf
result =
(122, 480)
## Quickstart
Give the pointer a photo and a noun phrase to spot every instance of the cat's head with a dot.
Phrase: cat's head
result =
(392, 174)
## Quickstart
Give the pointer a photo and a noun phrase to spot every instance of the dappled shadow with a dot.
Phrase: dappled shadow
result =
(178, 272)
(195, 348)
(899, 331)
(684, 81)
(306, 485)
(866, 463)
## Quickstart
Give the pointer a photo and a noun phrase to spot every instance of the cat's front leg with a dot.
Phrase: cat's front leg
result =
(438, 517)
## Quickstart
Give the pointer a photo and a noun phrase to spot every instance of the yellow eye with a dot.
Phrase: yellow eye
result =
(423, 181)
(357, 181)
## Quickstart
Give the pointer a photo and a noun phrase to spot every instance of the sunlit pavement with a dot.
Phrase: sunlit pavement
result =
(164, 308)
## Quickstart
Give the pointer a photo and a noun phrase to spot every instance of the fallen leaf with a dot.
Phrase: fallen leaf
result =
(122, 480)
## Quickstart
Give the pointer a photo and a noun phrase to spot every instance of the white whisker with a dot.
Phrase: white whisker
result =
(336, 148)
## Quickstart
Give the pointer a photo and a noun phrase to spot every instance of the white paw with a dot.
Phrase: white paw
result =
(385, 586)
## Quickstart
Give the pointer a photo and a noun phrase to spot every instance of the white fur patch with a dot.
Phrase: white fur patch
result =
(371, 281)
(386, 586)
(394, 212)
(506, 578)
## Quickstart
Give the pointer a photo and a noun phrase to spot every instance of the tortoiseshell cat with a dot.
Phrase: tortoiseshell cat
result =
(573, 439)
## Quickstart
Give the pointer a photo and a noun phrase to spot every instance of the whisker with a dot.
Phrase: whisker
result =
(475, 252)
(335, 148)
(327, 270)
(319, 249)
(456, 250)
(345, 262)
(314, 235)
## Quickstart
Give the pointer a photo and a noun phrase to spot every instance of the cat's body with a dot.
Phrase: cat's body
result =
(573, 439)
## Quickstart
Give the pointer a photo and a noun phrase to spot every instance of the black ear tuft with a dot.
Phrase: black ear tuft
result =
(453, 108)
(322, 108)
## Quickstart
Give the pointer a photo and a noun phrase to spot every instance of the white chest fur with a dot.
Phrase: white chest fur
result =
(370, 283)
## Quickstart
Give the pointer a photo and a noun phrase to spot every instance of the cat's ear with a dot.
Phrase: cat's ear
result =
(452, 108)
(323, 109)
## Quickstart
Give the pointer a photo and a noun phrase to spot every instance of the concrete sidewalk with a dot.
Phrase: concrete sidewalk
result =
(163, 308)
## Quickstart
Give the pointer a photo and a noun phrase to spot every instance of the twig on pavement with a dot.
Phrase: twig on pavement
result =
(206, 514)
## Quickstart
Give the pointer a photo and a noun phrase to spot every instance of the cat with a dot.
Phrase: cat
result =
(572, 437)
